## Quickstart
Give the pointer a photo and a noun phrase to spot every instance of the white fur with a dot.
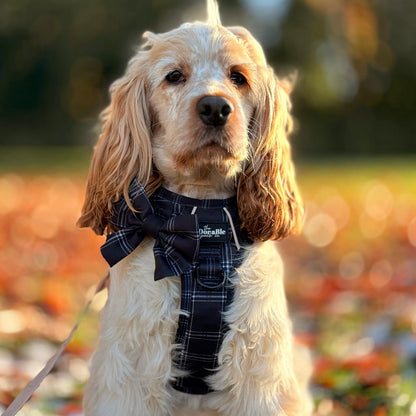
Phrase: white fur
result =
(132, 365)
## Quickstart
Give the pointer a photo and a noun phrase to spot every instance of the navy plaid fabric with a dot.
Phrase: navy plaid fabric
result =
(206, 289)
(176, 237)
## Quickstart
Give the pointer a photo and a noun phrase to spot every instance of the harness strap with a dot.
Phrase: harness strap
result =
(206, 294)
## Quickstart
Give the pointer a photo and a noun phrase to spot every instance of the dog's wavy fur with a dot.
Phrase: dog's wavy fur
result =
(151, 131)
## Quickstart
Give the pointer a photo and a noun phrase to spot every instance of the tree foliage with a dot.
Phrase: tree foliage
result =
(355, 59)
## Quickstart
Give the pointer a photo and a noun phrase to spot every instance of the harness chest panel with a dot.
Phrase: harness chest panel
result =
(206, 289)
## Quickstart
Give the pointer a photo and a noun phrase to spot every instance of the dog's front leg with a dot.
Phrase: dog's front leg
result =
(256, 374)
(131, 368)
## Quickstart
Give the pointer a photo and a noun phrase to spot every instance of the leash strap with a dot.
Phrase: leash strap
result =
(34, 384)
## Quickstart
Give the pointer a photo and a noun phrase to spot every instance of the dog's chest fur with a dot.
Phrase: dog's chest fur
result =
(141, 315)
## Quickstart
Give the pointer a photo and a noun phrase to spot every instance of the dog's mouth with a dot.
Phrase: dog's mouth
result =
(221, 142)
(217, 146)
(213, 155)
(216, 152)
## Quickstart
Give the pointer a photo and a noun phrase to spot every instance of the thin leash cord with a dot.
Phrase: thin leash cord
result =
(230, 218)
(34, 384)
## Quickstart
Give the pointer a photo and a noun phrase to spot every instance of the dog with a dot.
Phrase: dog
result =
(198, 116)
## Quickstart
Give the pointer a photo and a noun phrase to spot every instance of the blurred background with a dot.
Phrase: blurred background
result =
(350, 276)
(355, 58)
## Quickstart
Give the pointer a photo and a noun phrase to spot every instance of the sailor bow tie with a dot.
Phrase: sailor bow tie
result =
(176, 239)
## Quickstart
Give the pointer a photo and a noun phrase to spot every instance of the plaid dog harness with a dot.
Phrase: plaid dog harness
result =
(211, 228)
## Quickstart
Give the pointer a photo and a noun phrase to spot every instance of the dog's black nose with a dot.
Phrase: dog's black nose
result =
(214, 110)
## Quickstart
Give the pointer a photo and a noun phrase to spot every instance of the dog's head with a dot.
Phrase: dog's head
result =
(199, 106)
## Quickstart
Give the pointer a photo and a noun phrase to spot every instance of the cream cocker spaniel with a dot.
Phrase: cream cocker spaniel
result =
(192, 180)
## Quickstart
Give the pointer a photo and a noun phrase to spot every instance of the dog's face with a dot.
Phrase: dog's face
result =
(200, 111)
(203, 91)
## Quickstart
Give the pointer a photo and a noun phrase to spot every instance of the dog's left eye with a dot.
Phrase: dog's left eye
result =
(175, 77)
(238, 79)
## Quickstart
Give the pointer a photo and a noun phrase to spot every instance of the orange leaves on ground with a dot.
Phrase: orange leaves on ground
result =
(350, 279)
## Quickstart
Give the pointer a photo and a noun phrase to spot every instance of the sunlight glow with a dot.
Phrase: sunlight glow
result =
(320, 230)
(412, 232)
(11, 321)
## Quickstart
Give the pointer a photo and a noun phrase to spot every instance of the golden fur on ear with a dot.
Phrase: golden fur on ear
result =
(269, 202)
(123, 150)
(253, 47)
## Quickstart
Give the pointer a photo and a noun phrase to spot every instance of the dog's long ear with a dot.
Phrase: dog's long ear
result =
(269, 203)
(123, 150)
(253, 47)
(268, 198)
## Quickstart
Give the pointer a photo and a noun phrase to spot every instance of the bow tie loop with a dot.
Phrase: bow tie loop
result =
(176, 239)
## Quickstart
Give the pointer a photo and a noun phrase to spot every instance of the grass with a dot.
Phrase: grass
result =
(50, 159)
(47, 160)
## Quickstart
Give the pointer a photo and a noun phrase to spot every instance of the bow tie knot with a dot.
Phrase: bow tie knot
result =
(176, 239)
(152, 224)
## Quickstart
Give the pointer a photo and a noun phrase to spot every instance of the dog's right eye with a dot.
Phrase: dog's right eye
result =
(175, 77)
(238, 79)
